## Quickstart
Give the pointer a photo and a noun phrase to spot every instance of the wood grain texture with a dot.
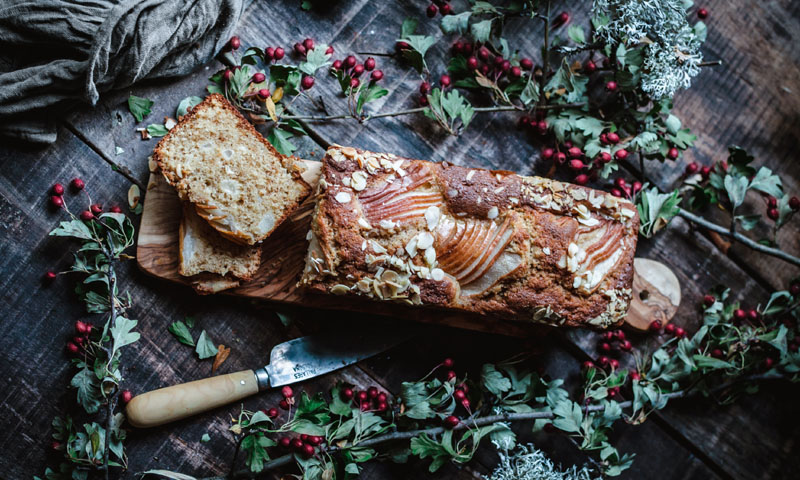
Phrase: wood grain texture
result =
(747, 101)
(656, 294)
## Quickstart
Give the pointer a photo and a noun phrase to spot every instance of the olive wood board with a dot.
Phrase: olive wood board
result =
(283, 260)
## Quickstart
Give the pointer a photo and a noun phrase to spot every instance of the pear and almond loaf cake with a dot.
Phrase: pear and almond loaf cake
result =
(490, 242)
(236, 180)
(213, 262)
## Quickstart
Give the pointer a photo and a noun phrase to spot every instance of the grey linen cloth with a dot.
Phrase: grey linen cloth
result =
(55, 54)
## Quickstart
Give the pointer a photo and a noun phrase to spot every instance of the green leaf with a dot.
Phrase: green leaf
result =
(530, 94)
(88, 386)
(409, 27)
(656, 210)
(186, 104)
(766, 182)
(373, 92)
(575, 33)
(502, 437)
(419, 46)
(494, 381)
(205, 438)
(456, 23)
(673, 124)
(181, 332)
(280, 140)
(748, 222)
(481, 30)
(316, 58)
(423, 446)
(736, 188)
(122, 333)
(568, 416)
(157, 130)
(255, 446)
(306, 5)
(139, 107)
(205, 347)
(74, 228)
(420, 411)
(307, 427)
(168, 474)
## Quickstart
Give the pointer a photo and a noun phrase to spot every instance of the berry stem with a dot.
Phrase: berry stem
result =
(774, 252)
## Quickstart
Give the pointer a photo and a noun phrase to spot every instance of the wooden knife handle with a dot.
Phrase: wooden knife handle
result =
(180, 401)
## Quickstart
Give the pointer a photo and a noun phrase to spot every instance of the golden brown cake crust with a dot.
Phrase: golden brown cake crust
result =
(491, 242)
(210, 212)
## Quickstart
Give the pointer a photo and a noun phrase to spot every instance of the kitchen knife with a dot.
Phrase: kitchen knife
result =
(289, 362)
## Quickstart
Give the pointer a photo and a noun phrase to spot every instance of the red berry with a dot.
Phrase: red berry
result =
(575, 152)
(485, 69)
(768, 362)
(364, 406)
(263, 94)
(794, 203)
(619, 335)
(77, 184)
(329, 50)
(612, 138)
(604, 138)
(483, 53)
(283, 404)
(605, 347)
(716, 353)
(541, 127)
(773, 213)
(772, 202)
(603, 360)
(382, 406)
(451, 422)
(307, 82)
(72, 348)
(424, 88)
(458, 47)
(259, 77)
(637, 186)
(692, 168)
(354, 83)
(337, 65)
(673, 153)
(465, 403)
(80, 327)
(702, 13)
(582, 179)
(279, 53)
(362, 396)
(505, 66)
(431, 11)
(605, 157)
(547, 153)
(451, 375)
(626, 345)
(58, 189)
(287, 392)
(498, 61)
(588, 364)
(358, 70)
(472, 63)
(446, 9)
(608, 336)
(126, 396)
(621, 154)
(115, 209)
(444, 80)
(448, 363)
(526, 64)
(752, 314)
(96, 208)
(297, 445)
(50, 276)
(227, 75)
(516, 72)
(316, 440)
(739, 314)
(234, 43)
(611, 86)
(285, 442)
(423, 101)
(561, 157)
(680, 332)
(613, 363)
(670, 328)
(616, 192)
(459, 395)
(55, 445)
(562, 18)
(620, 182)
(77, 340)
(300, 49)
(589, 67)
(377, 76)
(382, 397)
(86, 215)
(635, 375)
(269, 53)
(57, 201)
(308, 44)
(369, 64)
(705, 171)
(576, 164)
(304, 437)
(655, 325)
(372, 392)
(346, 394)
(402, 46)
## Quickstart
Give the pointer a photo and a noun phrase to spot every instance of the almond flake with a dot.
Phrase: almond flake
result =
(469, 175)
(437, 274)
(493, 212)
(432, 216)
(411, 247)
(359, 181)
(425, 240)
(343, 197)
(363, 223)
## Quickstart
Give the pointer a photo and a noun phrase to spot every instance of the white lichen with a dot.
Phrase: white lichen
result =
(528, 463)
(672, 52)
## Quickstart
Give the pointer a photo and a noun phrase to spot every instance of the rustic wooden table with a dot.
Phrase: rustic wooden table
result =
(751, 100)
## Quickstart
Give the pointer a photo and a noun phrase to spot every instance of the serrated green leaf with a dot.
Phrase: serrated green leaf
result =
(139, 107)
(456, 23)
(181, 332)
(409, 27)
(88, 390)
(157, 130)
(481, 30)
(122, 333)
(767, 182)
(205, 347)
(186, 104)
(316, 58)
(494, 381)
(74, 228)
(736, 188)
(575, 33)
(673, 124)
(280, 140)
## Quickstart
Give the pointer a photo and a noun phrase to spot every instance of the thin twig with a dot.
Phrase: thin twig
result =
(411, 111)
(113, 302)
(710, 64)
(774, 252)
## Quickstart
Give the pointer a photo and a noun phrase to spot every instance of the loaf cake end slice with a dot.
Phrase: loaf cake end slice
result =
(214, 262)
(237, 181)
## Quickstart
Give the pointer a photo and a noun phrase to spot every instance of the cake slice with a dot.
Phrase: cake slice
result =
(237, 181)
(214, 262)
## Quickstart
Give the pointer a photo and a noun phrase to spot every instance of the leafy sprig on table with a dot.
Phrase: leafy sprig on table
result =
(103, 240)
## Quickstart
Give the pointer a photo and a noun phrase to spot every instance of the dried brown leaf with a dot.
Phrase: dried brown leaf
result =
(222, 355)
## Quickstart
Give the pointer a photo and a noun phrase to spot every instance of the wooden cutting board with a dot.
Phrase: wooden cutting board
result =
(283, 259)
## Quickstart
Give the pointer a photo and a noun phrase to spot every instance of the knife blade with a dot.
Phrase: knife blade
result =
(290, 362)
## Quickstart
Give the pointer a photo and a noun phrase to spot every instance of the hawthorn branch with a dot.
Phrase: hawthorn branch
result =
(730, 233)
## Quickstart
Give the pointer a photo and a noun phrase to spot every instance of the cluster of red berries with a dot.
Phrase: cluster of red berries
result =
(574, 158)
(480, 59)
(57, 192)
(610, 345)
(354, 69)
(772, 206)
(657, 326)
(273, 54)
(81, 339)
(302, 48)
(305, 445)
(624, 189)
(439, 6)
(370, 399)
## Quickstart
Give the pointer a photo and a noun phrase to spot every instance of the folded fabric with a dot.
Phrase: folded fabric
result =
(58, 53)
